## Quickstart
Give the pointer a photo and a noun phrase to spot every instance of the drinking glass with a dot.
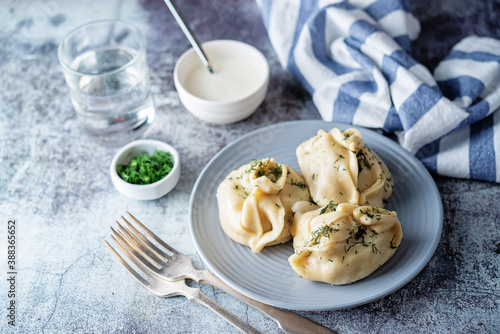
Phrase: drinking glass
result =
(105, 66)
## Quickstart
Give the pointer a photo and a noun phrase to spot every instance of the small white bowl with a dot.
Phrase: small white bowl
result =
(233, 109)
(145, 191)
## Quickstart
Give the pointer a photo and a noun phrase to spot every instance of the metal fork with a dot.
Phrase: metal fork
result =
(174, 266)
(166, 289)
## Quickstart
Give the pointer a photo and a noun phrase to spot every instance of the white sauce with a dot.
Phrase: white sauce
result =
(232, 79)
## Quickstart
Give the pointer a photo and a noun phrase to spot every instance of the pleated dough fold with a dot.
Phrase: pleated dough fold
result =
(337, 166)
(341, 244)
(255, 203)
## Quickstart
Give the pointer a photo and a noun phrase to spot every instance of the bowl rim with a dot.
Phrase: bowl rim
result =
(152, 142)
(263, 84)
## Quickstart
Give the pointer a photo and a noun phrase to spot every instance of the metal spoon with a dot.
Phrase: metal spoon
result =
(192, 39)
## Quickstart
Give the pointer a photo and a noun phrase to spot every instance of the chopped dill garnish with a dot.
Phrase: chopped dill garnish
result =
(261, 168)
(340, 157)
(301, 184)
(347, 136)
(363, 161)
(330, 207)
(323, 231)
(275, 173)
(146, 168)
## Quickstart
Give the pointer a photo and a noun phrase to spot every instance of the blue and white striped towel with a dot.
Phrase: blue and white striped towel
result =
(354, 57)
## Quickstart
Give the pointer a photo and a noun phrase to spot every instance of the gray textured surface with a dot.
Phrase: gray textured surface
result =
(56, 182)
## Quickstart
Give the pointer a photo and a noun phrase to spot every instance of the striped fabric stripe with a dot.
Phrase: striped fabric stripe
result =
(481, 150)
(354, 57)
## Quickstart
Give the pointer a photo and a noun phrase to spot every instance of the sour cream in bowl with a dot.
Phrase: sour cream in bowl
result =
(233, 91)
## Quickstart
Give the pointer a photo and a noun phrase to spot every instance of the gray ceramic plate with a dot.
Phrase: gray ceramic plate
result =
(267, 276)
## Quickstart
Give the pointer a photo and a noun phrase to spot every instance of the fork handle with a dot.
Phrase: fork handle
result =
(198, 296)
(289, 322)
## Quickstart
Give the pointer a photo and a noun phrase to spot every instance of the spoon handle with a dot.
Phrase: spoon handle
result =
(192, 39)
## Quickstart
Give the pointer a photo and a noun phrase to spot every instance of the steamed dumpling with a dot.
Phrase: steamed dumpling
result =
(255, 203)
(340, 244)
(337, 166)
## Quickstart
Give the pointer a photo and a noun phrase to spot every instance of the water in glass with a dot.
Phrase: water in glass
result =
(112, 100)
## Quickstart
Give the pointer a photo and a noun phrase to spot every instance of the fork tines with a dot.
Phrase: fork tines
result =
(138, 246)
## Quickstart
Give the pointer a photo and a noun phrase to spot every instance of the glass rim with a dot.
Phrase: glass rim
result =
(141, 51)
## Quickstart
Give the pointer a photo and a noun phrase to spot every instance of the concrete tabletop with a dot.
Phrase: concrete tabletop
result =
(55, 185)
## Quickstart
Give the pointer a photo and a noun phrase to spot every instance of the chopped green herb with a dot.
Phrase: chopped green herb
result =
(323, 231)
(146, 168)
(301, 184)
(340, 157)
(368, 213)
(359, 233)
(275, 173)
(363, 161)
(261, 168)
(346, 136)
(330, 208)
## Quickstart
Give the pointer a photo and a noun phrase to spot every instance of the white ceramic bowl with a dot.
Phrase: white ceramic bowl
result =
(231, 110)
(145, 191)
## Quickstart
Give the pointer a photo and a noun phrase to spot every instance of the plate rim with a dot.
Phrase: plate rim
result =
(421, 264)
